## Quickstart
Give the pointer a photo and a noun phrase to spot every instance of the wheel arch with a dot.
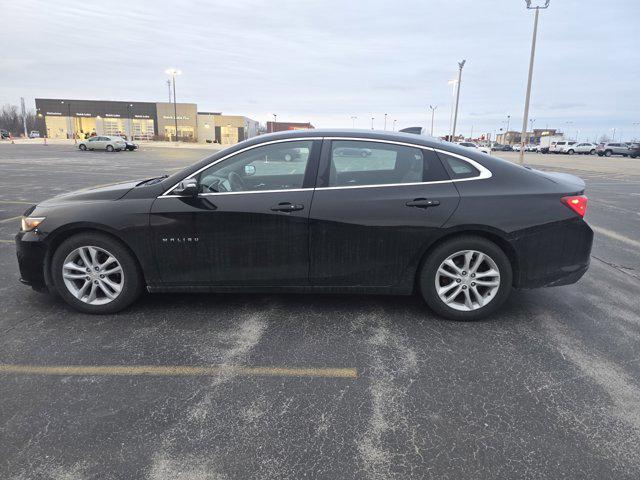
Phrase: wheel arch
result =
(55, 239)
(493, 235)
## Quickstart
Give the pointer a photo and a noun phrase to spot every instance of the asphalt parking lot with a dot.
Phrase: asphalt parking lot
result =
(299, 386)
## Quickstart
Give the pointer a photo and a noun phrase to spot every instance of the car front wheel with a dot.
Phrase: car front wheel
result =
(571, 152)
(607, 153)
(109, 148)
(82, 147)
(95, 273)
(466, 278)
(592, 152)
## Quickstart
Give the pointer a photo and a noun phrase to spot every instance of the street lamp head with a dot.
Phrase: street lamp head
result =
(539, 5)
(173, 71)
(461, 64)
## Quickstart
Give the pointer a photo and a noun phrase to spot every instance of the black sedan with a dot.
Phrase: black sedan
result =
(415, 215)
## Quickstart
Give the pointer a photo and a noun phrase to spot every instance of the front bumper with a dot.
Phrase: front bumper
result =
(554, 254)
(31, 252)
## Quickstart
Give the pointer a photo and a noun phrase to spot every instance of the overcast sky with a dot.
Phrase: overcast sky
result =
(324, 61)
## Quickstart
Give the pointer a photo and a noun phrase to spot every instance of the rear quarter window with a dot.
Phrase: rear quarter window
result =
(458, 168)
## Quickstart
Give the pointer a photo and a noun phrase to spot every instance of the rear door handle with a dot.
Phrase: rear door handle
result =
(422, 203)
(287, 207)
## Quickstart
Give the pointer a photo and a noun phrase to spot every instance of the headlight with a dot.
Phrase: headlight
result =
(30, 223)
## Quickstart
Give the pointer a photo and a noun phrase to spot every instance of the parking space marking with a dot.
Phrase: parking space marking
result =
(177, 371)
(7, 241)
(16, 202)
(5, 220)
(616, 236)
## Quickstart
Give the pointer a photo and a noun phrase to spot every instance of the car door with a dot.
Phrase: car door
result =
(248, 225)
(372, 215)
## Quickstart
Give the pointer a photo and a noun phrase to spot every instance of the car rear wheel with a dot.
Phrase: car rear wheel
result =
(571, 152)
(607, 153)
(466, 278)
(592, 152)
(82, 147)
(109, 148)
(95, 274)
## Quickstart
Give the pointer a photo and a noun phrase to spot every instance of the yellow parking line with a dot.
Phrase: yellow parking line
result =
(169, 371)
(5, 220)
(19, 203)
(7, 241)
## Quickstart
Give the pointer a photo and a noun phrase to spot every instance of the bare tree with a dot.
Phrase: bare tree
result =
(605, 138)
(11, 120)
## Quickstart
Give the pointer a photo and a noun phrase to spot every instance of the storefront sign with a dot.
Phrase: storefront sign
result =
(53, 113)
(78, 114)
(171, 117)
(141, 116)
(116, 115)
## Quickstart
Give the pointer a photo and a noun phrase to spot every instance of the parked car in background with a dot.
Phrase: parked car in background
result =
(459, 227)
(560, 147)
(4, 134)
(34, 134)
(498, 147)
(634, 150)
(352, 152)
(612, 148)
(129, 145)
(583, 148)
(486, 150)
(103, 142)
(531, 148)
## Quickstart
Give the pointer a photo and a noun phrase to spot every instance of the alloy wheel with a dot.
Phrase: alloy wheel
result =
(93, 275)
(467, 280)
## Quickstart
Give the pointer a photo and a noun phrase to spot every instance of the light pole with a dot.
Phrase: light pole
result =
(433, 113)
(353, 121)
(372, 118)
(275, 120)
(455, 115)
(525, 117)
(613, 135)
(454, 85)
(531, 120)
(169, 87)
(130, 121)
(394, 124)
(385, 122)
(173, 72)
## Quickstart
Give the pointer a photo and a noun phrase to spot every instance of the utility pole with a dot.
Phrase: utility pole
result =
(173, 72)
(525, 117)
(353, 121)
(385, 122)
(455, 115)
(506, 132)
(24, 117)
(433, 113)
(394, 124)
(372, 118)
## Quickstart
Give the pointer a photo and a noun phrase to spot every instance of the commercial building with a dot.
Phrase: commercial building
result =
(512, 137)
(215, 127)
(66, 118)
(284, 126)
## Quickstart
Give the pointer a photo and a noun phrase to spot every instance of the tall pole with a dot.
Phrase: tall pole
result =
(353, 121)
(455, 115)
(24, 117)
(506, 132)
(169, 87)
(175, 106)
(372, 118)
(525, 117)
(275, 120)
(394, 124)
(454, 84)
(433, 112)
(385, 121)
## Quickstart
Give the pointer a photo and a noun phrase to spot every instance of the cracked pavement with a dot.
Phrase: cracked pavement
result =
(548, 388)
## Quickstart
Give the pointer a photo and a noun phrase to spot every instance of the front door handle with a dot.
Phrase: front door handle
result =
(287, 207)
(422, 203)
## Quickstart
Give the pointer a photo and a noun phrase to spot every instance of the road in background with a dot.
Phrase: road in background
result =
(548, 388)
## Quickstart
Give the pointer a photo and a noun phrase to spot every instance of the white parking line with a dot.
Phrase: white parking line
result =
(616, 236)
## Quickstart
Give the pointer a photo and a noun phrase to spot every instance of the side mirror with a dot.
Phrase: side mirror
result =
(187, 188)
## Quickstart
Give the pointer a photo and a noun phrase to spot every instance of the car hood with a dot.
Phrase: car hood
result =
(113, 191)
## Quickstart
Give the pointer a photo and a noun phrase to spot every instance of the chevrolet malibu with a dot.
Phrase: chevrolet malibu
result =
(410, 215)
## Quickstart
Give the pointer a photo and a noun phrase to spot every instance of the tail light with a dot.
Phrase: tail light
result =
(577, 203)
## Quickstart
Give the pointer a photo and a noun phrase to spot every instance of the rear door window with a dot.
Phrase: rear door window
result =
(458, 168)
(362, 163)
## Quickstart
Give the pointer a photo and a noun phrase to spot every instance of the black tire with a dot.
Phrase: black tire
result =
(592, 152)
(427, 277)
(571, 152)
(82, 147)
(608, 153)
(109, 148)
(133, 281)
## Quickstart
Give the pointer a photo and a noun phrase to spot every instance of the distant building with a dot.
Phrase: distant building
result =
(512, 137)
(284, 126)
(225, 129)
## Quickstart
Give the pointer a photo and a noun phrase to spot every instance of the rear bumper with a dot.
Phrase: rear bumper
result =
(31, 254)
(553, 254)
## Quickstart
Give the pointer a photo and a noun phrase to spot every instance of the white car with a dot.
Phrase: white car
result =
(103, 142)
(584, 148)
(561, 147)
(486, 150)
